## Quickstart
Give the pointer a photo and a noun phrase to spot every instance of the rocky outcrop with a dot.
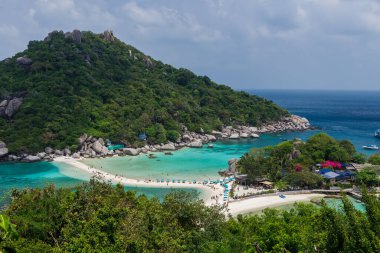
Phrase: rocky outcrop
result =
(234, 136)
(49, 150)
(99, 148)
(75, 35)
(24, 61)
(108, 35)
(168, 146)
(31, 158)
(10, 104)
(195, 144)
(148, 62)
(3, 149)
(95, 147)
(232, 165)
(130, 151)
(292, 123)
(67, 151)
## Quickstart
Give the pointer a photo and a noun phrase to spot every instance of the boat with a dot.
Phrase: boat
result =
(371, 147)
(377, 133)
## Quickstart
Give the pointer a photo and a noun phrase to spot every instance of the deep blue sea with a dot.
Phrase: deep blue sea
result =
(352, 115)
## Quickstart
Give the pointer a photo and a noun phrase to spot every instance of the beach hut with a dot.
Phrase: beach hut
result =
(142, 136)
(241, 179)
(331, 176)
(266, 184)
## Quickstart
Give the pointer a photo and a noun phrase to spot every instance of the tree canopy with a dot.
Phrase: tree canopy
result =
(98, 217)
(289, 163)
(109, 89)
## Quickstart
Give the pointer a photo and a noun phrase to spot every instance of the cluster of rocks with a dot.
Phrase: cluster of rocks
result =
(108, 35)
(75, 35)
(92, 147)
(292, 123)
(3, 149)
(24, 61)
(10, 104)
(48, 155)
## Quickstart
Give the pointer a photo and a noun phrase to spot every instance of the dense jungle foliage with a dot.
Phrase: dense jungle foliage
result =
(291, 163)
(109, 89)
(97, 217)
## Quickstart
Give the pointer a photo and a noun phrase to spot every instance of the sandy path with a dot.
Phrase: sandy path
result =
(259, 203)
(234, 208)
(141, 183)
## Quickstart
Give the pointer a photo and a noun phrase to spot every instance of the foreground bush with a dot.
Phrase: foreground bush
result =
(97, 217)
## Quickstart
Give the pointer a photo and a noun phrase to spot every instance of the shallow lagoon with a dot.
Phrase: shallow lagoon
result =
(189, 163)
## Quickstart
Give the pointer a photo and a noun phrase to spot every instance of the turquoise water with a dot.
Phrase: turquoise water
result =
(32, 175)
(335, 203)
(338, 204)
(188, 163)
(344, 115)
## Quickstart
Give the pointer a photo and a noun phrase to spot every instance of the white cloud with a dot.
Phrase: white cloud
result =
(238, 42)
(56, 5)
(169, 22)
(9, 31)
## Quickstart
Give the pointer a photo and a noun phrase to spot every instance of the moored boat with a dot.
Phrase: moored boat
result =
(377, 133)
(371, 147)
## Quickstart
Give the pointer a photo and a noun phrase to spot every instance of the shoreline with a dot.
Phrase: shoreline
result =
(116, 179)
(252, 205)
(92, 147)
(234, 207)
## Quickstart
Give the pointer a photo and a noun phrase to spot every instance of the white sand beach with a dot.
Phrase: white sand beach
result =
(210, 190)
(245, 206)
(235, 207)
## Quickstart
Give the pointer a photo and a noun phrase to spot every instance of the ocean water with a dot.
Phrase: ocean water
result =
(343, 115)
(352, 115)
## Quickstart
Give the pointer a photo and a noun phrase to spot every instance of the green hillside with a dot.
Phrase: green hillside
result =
(97, 84)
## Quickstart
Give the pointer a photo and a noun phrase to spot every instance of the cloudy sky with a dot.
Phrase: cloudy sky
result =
(247, 44)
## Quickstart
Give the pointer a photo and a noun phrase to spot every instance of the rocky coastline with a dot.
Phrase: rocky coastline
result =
(92, 147)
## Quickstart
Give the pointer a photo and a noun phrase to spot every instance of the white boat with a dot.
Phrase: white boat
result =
(371, 147)
(377, 133)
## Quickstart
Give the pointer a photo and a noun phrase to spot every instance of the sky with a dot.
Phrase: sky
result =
(246, 44)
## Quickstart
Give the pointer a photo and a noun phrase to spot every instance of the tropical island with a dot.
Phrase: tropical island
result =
(80, 82)
(79, 95)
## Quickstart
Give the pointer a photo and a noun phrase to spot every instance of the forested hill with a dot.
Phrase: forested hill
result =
(81, 82)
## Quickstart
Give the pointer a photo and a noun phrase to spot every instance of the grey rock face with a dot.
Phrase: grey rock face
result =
(12, 106)
(168, 146)
(24, 61)
(76, 155)
(108, 35)
(232, 165)
(31, 158)
(58, 152)
(148, 62)
(67, 151)
(130, 151)
(41, 155)
(195, 144)
(75, 35)
(97, 146)
(82, 139)
(49, 150)
(3, 149)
